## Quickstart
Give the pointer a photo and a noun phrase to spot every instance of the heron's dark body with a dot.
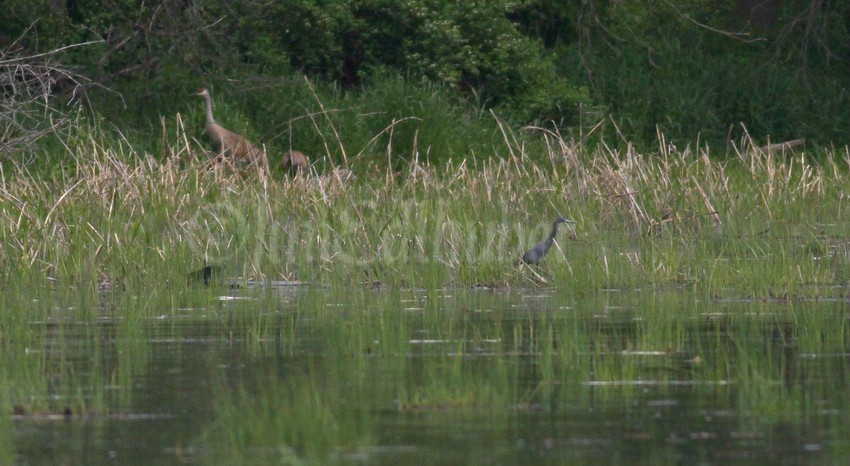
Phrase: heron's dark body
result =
(535, 254)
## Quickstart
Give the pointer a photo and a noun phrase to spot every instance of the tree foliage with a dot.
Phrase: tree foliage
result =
(692, 69)
(778, 68)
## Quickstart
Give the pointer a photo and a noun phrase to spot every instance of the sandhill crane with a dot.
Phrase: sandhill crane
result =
(227, 143)
(295, 161)
(533, 255)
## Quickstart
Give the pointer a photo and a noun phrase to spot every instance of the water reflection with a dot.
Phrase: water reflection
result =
(459, 377)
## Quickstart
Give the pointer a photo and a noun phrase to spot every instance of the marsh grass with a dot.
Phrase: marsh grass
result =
(755, 222)
(288, 418)
(410, 358)
(114, 233)
(72, 351)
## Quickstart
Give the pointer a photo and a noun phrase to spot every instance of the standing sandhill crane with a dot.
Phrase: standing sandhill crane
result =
(533, 255)
(295, 161)
(227, 143)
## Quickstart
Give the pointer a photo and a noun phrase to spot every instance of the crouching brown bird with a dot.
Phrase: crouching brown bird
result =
(295, 162)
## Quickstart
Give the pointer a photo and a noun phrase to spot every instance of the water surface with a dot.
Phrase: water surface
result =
(290, 374)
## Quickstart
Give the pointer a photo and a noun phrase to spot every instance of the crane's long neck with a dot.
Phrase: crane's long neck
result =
(210, 119)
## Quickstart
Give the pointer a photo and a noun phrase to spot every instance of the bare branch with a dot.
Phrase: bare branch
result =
(28, 82)
(741, 36)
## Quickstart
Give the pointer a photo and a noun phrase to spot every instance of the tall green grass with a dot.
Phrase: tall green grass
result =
(759, 223)
(289, 418)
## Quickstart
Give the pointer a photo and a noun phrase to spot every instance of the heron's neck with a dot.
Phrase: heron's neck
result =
(553, 232)
(210, 119)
